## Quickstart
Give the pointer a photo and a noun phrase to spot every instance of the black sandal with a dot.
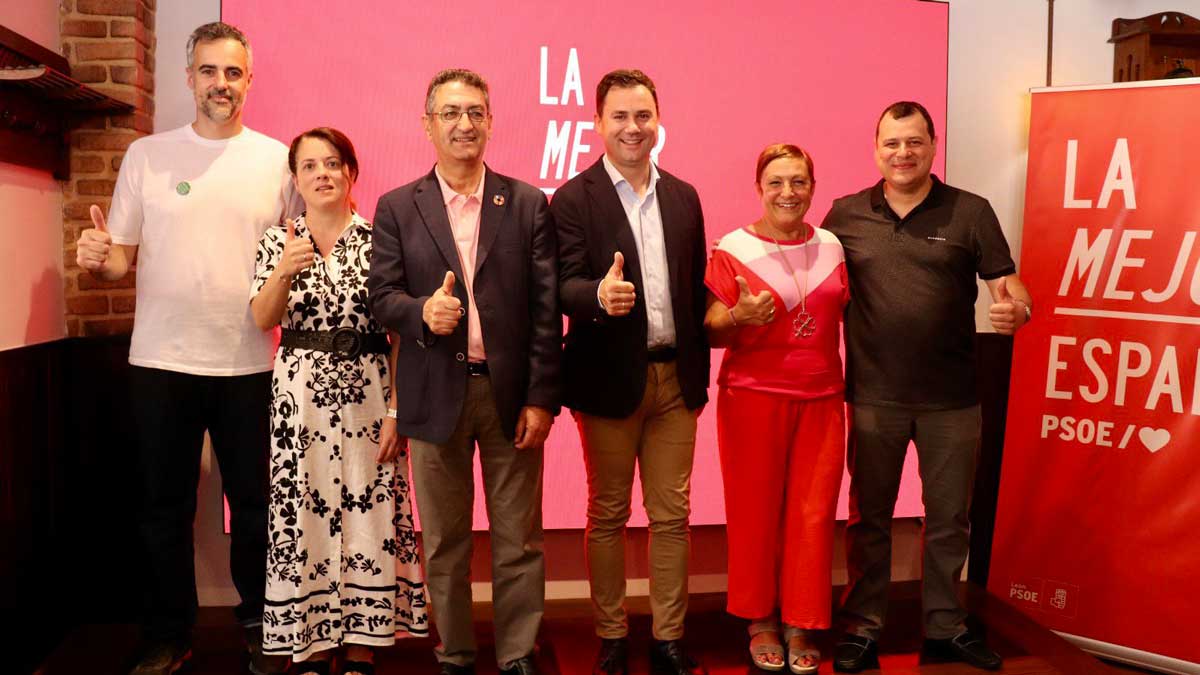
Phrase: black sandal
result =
(364, 667)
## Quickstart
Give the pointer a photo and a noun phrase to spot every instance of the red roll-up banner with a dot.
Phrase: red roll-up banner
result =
(1098, 523)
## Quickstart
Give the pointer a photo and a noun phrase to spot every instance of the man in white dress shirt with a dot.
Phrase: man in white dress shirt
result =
(631, 279)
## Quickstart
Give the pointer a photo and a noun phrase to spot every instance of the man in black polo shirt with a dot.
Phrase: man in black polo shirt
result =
(914, 246)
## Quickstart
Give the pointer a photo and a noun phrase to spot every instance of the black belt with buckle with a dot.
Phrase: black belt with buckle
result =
(344, 342)
(477, 368)
(662, 355)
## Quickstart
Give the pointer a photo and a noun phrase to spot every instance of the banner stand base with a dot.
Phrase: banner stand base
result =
(1134, 657)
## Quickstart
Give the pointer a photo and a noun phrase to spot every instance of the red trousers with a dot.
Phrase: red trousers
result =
(781, 462)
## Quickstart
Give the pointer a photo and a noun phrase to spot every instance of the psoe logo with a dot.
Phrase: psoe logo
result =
(1061, 597)
(1027, 594)
(1059, 600)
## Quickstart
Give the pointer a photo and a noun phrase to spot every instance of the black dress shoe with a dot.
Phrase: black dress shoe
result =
(667, 657)
(447, 668)
(966, 647)
(613, 658)
(161, 657)
(854, 653)
(522, 666)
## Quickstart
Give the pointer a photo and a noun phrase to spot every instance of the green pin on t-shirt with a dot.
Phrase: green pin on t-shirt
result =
(183, 188)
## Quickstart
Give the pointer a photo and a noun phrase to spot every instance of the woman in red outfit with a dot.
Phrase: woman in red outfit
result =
(777, 289)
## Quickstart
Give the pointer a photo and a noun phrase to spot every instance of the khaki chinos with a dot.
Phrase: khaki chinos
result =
(659, 438)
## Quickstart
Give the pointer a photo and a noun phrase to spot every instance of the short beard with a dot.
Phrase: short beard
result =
(216, 114)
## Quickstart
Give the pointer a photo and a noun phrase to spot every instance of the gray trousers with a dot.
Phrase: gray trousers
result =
(443, 479)
(947, 444)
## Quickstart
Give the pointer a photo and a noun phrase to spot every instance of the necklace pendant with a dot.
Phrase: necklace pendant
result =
(804, 325)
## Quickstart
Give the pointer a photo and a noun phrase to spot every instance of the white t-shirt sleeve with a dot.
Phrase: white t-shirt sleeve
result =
(125, 212)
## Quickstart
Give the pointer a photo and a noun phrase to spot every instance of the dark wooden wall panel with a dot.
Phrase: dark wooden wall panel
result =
(31, 452)
(66, 492)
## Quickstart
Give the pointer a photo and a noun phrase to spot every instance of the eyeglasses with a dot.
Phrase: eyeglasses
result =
(453, 115)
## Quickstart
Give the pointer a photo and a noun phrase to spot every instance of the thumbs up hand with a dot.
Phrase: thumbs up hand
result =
(616, 295)
(91, 250)
(298, 252)
(752, 309)
(1007, 314)
(442, 310)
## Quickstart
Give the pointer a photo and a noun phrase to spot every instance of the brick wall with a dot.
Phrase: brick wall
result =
(110, 45)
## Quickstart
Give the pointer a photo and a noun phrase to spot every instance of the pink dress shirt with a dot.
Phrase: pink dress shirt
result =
(463, 212)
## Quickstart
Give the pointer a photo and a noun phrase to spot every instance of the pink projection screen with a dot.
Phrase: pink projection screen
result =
(731, 78)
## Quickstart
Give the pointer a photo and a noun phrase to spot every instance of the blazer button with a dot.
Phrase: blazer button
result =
(460, 356)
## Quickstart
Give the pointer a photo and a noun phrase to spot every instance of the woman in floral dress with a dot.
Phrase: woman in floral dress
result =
(342, 567)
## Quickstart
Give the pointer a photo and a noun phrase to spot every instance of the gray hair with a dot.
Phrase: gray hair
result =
(211, 32)
(467, 77)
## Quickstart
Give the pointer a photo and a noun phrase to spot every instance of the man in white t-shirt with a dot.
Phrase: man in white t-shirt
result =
(190, 206)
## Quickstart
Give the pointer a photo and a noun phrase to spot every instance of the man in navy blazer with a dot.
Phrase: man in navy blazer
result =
(631, 268)
(464, 269)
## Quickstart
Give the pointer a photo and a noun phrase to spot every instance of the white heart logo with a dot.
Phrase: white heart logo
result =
(1153, 439)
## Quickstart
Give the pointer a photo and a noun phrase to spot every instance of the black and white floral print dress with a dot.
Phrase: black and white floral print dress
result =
(342, 562)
